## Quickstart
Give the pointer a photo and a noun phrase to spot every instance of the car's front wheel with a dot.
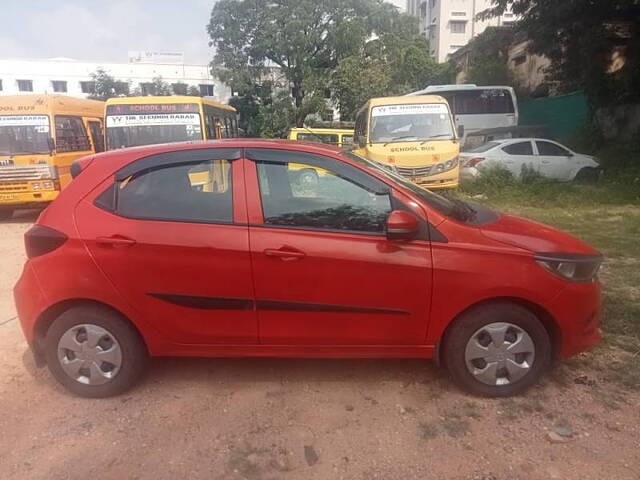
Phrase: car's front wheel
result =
(497, 350)
(588, 175)
(94, 352)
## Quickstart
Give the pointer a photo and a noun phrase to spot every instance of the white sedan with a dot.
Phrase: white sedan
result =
(546, 157)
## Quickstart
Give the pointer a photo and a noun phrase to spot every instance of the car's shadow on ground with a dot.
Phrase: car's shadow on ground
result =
(291, 371)
(173, 373)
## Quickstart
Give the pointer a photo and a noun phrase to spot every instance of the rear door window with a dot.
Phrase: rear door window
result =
(190, 192)
(551, 149)
(520, 148)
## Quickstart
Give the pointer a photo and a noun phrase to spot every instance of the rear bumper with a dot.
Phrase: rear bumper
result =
(30, 302)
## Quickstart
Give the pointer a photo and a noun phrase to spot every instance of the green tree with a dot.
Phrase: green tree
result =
(160, 87)
(179, 88)
(488, 57)
(306, 39)
(356, 80)
(105, 86)
(193, 91)
(579, 37)
(396, 62)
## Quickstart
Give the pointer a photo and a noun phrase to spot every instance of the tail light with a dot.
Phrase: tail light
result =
(40, 240)
(472, 162)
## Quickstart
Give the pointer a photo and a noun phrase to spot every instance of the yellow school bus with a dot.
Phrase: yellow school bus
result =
(340, 137)
(412, 136)
(134, 121)
(40, 137)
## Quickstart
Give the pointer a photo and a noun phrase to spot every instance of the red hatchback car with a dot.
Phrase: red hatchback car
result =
(225, 249)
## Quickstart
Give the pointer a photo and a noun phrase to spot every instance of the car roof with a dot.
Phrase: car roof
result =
(524, 139)
(128, 154)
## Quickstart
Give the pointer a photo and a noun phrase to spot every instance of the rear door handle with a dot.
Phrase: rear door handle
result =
(115, 241)
(285, 253)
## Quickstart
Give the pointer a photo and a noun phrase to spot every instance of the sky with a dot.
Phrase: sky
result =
(105, 30)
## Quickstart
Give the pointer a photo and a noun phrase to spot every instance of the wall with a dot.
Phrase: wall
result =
(527, 69)
(43, 72)
(563, 114)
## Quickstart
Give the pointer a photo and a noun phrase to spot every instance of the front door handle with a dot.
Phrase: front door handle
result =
(115, 241)
(285, 253)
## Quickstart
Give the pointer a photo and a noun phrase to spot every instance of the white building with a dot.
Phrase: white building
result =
(450, 24)
(70, 77)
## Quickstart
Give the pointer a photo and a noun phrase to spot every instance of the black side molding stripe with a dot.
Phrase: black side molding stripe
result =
(322, 307)
(205, 303)
(225, 303)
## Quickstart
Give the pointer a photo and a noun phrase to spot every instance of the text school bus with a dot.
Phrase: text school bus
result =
(40, 137)
(135, 121)
(412, 136)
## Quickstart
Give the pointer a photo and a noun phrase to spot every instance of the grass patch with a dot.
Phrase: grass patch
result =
(455, 425)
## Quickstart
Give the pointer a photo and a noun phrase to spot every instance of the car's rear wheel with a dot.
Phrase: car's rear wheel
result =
(94, 352)
(497, 350)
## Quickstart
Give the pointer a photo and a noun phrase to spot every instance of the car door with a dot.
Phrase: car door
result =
(554, 160)
(324, 271)
(517, 157)
(170, 233)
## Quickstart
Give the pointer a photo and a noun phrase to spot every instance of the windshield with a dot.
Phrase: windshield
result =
(410, 123)
(440, 203)
(24, 134)
(134, 130)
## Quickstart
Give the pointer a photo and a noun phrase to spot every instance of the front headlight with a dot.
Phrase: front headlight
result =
(574, 267)
(450, 164)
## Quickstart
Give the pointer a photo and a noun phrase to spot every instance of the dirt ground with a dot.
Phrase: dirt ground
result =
(306, 419)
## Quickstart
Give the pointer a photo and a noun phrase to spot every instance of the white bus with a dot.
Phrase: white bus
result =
(478, 108)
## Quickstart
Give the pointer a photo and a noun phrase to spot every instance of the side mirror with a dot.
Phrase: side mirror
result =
(460, 131)
(360, 141)
(402, 225)
(51, 143)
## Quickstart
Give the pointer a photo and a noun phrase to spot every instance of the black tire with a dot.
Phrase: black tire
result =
(6, 214)
(134, 351)
(588, 175)
(461, 331)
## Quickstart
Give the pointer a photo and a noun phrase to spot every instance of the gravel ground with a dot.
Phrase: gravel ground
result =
(307, 419)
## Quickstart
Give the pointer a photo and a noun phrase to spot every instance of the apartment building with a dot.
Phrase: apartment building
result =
(71, 77)
(450, 24)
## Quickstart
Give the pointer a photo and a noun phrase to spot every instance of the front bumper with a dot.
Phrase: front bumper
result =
(577, 310)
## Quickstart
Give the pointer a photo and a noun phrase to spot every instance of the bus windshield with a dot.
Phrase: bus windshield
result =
(135, 125)
(24, 134)
(480, 101)
(410, 123)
